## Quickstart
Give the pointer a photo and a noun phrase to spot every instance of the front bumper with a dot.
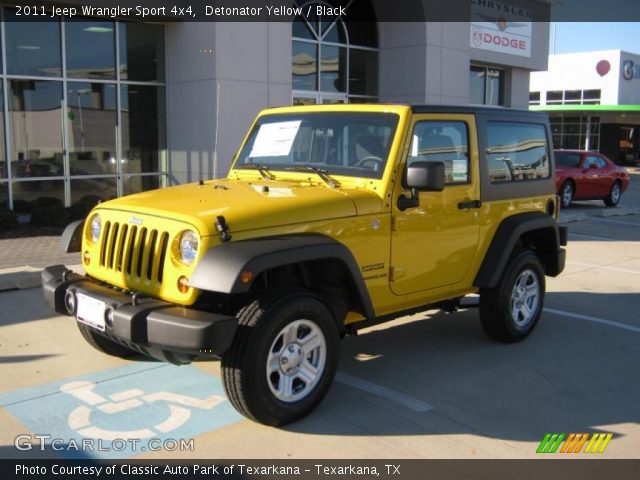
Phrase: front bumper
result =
(152, 327)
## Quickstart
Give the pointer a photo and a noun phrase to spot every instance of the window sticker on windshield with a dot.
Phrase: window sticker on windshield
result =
(275, 139)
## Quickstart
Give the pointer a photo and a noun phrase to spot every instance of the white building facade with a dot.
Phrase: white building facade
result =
(593, 100)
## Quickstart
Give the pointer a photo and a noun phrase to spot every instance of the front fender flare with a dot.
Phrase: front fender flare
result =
(221, 267)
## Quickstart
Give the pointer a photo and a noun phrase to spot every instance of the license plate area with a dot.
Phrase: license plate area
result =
(90, 311)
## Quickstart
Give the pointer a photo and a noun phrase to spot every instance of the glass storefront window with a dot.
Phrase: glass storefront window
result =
(66, 140)
(90, 49)
(91, 128)
(49, 191)
(344, 52)
(142, 183)
(363, 72)
(32, 48)
(143, 132)
(35, 123)
(141, 52)
(90, 190)
(3, 161)
(486, 85)
(303, 66)
(4, 195)
(333, 65)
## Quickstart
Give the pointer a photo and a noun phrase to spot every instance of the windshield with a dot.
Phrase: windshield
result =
(567, 159)
(345, 143)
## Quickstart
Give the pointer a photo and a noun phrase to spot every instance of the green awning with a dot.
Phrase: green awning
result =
(585, 108)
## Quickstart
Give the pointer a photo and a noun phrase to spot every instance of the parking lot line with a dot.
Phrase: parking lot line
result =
(593, 237)
(604, 267)
(384, 392)
(589, 318)
(617, 222)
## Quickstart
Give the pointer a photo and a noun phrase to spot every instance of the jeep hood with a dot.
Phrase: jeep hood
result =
(248, 205)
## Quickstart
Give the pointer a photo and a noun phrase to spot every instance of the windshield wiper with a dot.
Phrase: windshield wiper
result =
(318, 171)
(262, 169)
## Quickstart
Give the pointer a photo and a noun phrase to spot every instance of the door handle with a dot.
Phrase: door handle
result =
(470, 204)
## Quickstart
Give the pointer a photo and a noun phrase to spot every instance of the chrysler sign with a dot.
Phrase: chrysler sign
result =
(500, 27)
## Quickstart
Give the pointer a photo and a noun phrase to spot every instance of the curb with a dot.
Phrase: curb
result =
(571, 217)
(22, 278)
(618, 212)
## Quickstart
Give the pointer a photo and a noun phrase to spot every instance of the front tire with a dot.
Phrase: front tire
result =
(282, 360)
(566, 194)
(615, 194)
(510, 311)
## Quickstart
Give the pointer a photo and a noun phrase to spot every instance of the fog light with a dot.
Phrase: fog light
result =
(183, 286)
(70, 302)
(246, 276)
(108, 316)
(86, 258)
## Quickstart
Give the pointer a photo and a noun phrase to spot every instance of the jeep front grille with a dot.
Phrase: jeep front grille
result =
(136, 251)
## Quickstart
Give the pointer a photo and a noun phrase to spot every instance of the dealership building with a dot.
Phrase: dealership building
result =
(593, 101)
(102, 106)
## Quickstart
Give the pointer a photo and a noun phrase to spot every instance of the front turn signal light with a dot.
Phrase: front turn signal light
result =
(183, 284)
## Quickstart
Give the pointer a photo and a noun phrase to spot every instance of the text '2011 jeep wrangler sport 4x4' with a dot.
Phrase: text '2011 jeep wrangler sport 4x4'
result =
(330, 219)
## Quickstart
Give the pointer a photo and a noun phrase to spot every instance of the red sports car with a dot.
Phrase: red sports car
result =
(582, 175)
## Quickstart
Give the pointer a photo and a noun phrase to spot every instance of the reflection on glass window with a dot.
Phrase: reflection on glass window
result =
(363, 72)
(90, 49)
(35, 122)
(517, 152)
(442, 142)
(3, 161)
(92, 190)
(143, 132)
(91, 128)
(45, 192)
(486, 86)
(142, 183)
(141, 51)
(333, 65)
(33, 48)
(345, 53)
(476, 85)
(303, 66)
(4, 195)
(333, 31)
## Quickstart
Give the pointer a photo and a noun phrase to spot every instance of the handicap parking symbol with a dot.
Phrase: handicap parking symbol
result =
(125, 411)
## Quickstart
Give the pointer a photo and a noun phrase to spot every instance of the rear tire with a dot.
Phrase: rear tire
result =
(283, 358)
(566, 194)
(615, 194)
(103, 344)
(510, 311)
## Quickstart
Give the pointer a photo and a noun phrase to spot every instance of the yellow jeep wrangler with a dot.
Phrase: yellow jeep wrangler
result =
(332, 218)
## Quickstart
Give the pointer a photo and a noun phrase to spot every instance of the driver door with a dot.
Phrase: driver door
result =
(433, 245)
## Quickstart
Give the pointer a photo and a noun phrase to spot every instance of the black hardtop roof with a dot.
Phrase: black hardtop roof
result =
(494, 111)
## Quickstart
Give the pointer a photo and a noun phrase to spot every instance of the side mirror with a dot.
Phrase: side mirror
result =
(421, 176)
(427, 176)
(593, 166)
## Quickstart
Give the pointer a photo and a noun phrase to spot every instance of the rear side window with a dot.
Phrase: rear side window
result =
(517, 152)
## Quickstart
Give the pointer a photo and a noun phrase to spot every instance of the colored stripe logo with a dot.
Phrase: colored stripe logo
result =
(574, 443)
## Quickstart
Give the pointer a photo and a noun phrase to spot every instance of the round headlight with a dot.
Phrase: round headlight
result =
(96, 228)
(188, 247)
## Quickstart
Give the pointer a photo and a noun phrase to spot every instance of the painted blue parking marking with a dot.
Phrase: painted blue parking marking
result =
(122, 412)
